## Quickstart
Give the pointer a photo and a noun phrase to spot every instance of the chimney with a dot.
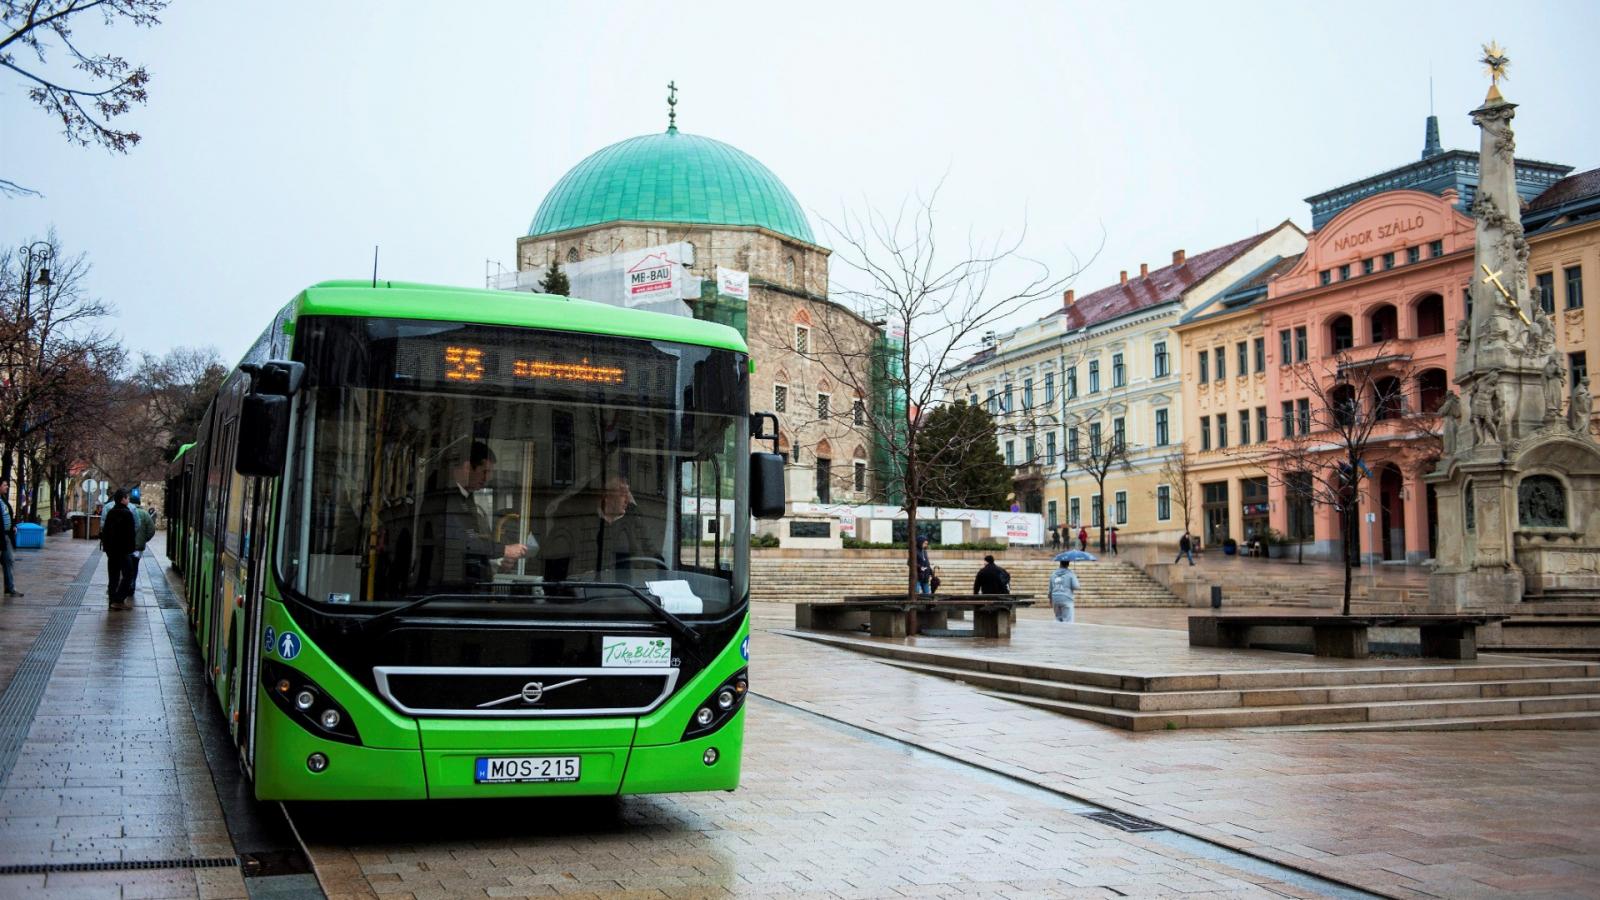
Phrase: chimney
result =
(1144, 270)
(1178, 256)
(1068, 297)
(1124, 276)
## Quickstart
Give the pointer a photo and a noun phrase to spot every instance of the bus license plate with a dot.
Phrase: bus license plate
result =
(500, 769)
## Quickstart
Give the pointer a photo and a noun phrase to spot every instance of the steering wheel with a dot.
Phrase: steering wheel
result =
(656, 561)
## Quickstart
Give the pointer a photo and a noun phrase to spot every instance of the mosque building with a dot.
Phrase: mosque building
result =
(681, 223)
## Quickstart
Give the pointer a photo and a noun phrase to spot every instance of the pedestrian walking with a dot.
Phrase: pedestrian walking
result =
(1083, 537)
(1185, 548)
(144, 528)
(118, 535)
(1055, 538)
(1064, 587)
(8, 527)
(1114, 542)
(991, 579)
(924, 567)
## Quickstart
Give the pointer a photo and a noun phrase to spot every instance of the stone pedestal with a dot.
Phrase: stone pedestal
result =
(1466, 589)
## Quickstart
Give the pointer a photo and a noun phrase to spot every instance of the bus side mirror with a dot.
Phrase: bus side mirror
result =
(766, 486)
(263, 440)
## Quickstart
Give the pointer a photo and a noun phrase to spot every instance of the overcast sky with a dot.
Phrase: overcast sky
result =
(283, 140)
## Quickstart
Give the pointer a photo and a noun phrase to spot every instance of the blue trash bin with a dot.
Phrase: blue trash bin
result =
(30, 536)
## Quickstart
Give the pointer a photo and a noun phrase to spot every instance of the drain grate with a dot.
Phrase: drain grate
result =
(165, 598)
(214, 862)
(1124, 822)
(21, 698)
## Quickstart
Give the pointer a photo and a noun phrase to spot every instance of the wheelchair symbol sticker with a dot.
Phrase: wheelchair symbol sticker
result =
(744, 649)
(288, 645)
(269, 639)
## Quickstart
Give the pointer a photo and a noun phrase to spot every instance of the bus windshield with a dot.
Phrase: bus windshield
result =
(508, 473)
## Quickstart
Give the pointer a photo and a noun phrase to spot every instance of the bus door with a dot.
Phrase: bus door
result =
(247, 667)
(219, 599)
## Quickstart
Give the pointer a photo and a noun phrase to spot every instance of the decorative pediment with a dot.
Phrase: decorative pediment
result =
(1158, 400)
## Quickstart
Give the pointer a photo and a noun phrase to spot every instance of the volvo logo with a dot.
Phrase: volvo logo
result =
(531, 693)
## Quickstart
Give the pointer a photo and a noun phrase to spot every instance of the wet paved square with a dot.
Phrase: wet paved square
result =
(110, 769)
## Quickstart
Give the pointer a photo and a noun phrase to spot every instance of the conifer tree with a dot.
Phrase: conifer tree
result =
(555, 280)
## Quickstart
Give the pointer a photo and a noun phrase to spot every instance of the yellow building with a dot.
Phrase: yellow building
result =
(1099, 379)
(1563, 226)
(1225, 347)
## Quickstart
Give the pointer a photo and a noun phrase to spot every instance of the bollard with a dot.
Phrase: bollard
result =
(1216, 596)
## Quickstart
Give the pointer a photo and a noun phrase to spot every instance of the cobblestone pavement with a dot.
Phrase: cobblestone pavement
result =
(821, 812)
(110, 768)
(1466, 814)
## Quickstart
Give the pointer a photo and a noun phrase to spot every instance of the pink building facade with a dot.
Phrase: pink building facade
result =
(1384, 284)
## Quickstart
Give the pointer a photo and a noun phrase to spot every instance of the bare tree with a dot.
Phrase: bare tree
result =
(1105, 451)
(57, 363)
(1177, 475)
(1359, 406)
(107, 85)
(933, 307)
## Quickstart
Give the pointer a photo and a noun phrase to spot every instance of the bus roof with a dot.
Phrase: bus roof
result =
(439, 303)
(182, 450)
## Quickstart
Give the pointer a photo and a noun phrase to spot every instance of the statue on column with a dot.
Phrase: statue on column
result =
(1485, 410)
(1450, 412)
(1553, 378)
(1581, 407)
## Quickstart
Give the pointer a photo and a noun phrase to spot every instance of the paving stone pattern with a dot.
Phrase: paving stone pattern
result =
(111, 770)
(820, 813)
(1485, 814)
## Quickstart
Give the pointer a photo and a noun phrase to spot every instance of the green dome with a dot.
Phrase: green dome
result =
(671, 177)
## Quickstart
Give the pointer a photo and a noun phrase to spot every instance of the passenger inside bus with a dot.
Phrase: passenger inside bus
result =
(458, 549)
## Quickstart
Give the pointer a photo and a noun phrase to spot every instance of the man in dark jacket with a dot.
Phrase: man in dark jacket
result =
(457, 550)
(991, 579)
(118, 537)
(8, 525)
(1185, 548)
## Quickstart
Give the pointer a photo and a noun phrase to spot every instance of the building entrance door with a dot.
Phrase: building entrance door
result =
(1392, 514)
(1215, 495)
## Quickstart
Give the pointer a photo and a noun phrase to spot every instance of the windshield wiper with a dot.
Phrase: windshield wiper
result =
(682, 628)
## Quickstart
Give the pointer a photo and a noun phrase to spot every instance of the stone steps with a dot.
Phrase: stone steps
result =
(1382, 715)
(1166, 701)
(817, 580)
(1499, 694)
(1557, 721)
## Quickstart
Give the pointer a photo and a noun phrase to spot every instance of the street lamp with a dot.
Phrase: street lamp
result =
(39, 252)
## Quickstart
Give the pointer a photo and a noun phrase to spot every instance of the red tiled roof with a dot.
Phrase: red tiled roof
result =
(1160, 286)
(1568, 189)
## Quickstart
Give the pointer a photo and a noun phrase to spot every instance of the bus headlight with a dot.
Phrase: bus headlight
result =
(308, 704)
(710, 756)
(316, 762)
(721, 706)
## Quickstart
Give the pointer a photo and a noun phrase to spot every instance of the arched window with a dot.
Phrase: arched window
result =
(1346, 405)
(1542, 502)
(572, 255)
(1432, 386)
(1430, 315)
(1341, 333)
(1384, 323)
(1388, 398)
(788, 269)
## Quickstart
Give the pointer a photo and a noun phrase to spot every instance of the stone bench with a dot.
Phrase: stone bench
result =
(892, 615)
(1343, 637)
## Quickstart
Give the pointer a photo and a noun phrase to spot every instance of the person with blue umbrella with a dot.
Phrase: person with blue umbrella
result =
(1064, 586)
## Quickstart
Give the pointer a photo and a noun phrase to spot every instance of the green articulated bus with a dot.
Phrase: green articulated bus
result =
(442, 543)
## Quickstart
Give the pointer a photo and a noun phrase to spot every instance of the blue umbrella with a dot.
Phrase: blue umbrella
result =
(1075, 556)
